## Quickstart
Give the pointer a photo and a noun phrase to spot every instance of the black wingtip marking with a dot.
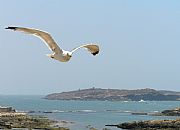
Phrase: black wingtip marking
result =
(13, 28)
(95, 53)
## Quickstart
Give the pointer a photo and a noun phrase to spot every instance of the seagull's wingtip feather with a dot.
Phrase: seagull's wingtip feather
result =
(95, 53)
(12, 28)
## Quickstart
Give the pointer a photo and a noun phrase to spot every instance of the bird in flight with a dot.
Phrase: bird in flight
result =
(58, 53)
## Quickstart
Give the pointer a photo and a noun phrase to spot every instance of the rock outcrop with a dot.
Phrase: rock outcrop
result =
(150, 125)
(173, 112)
(12, 120)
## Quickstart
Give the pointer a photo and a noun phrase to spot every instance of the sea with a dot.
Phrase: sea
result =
(84, 115)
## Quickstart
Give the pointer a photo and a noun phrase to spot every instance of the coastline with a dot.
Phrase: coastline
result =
(98, 115)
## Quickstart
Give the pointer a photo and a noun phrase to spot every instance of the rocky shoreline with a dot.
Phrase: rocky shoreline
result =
(21, 120)
(150, 125)
(154, 124)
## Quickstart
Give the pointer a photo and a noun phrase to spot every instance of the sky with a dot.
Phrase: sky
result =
(139, 45)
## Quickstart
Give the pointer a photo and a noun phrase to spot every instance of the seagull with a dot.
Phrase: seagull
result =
(58, 53)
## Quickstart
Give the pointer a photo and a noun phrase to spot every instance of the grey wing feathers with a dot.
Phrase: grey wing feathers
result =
(46, 37)
(92, 48)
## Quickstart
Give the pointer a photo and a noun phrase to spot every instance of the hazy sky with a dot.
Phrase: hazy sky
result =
(139, 42)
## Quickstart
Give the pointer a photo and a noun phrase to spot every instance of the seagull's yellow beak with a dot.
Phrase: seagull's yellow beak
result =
(48, 55)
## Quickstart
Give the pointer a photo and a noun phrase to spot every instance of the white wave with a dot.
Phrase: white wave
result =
(85, 111)
(57, 111)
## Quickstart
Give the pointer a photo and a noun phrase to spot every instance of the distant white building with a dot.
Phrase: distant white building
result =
(6, 109)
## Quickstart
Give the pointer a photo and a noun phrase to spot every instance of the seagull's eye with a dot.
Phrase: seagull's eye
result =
(52, 57)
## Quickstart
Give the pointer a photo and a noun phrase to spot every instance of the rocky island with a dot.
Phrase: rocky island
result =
(116, 95)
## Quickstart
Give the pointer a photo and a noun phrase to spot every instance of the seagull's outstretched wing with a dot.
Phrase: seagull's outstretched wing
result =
(42, 35)
(94, 49)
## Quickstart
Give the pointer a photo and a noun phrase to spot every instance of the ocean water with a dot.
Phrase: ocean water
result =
(89, 113)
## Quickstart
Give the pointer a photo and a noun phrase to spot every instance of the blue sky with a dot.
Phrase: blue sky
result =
(139, 42)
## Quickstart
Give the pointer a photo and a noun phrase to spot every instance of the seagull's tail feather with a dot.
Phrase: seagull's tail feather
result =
(12, 28)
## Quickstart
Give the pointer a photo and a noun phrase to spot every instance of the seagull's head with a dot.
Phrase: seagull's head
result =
(50, 56)
(69, 54)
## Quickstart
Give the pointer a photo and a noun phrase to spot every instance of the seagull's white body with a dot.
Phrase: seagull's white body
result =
(63, 57)
(58, 53)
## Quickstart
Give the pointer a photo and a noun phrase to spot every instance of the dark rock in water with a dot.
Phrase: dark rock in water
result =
(139, 113)
(31, 111)
(150, 125)
(173, 112)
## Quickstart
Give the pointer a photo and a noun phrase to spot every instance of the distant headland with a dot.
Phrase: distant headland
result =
(92, 94)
